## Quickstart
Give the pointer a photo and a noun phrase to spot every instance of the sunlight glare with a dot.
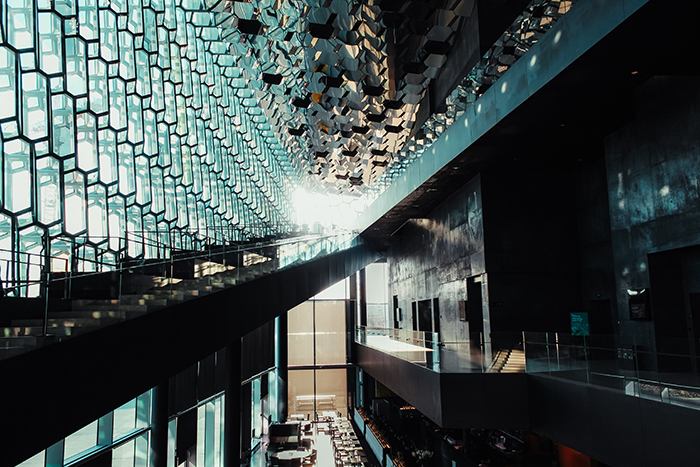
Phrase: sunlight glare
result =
(327, 210)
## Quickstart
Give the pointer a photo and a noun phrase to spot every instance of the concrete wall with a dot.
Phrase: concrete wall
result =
(523, 236)
(595, 248)
(531, 244)
(653, 168)
(433, 257)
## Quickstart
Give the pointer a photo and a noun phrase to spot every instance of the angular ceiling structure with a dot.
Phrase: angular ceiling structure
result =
(339, 82)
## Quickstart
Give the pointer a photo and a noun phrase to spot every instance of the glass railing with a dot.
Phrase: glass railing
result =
(417, 347)
(618, 363)
(53, 300)
(425, 349)
(613, 362)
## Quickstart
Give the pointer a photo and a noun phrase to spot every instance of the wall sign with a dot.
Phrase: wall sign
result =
(639, 304)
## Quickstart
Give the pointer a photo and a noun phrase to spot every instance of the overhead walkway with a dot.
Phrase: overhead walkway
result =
(73, 303)
(148, 337)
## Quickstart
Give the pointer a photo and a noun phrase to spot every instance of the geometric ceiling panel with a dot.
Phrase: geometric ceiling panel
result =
(339, 83)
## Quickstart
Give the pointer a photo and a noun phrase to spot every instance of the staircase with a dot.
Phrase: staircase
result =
(508, 361)
(86, 315)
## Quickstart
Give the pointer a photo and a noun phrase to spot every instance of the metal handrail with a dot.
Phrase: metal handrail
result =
(163, 261)
(122, 265)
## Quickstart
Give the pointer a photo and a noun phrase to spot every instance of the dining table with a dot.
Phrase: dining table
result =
(290, 454)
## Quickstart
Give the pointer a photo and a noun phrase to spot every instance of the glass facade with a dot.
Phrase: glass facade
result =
(125, 138)
(210, 433)
(317, 353)
(122, 438)
(327, 387)
(123, 434)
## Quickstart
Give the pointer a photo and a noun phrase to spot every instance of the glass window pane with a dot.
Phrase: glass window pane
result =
(201, 433)
(124, 419)
(172, 439)
(141, 451)
(330, 332)
(34, 461)
(123, 456)
(81, 440)
(330, 391)
(218, 431)
(301, 392)
(337, 291)
(377, 295)
(143, 410)
(300, 335)
(377, 283)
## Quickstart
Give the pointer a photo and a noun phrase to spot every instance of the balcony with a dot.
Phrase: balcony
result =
(613, 399)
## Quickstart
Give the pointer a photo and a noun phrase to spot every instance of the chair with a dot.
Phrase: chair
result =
(311, 460)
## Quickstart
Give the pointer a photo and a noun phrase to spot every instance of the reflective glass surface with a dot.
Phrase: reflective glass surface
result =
(119, 117)
(81, 440)
(328, 385)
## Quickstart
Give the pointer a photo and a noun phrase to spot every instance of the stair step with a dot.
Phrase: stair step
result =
(89, 314)
(114, 307)
(223, 280)
(83, 314)
(18, 341)
(64, 322)
(21, 331)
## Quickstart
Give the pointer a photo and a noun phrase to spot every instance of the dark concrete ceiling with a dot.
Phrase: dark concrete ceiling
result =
(563, 125)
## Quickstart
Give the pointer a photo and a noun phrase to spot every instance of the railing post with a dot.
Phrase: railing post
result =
(46, 307)
(119, 292)
(170, 279)
(65, 278)
(549, 362)
(208, 259)
(636, 365)
(73, 263)
(585, 357)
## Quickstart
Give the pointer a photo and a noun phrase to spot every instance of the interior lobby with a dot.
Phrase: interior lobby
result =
(349, 233)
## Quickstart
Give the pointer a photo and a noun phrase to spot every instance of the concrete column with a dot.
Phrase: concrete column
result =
(281, 358)
(362, 319)
(232, 407)
(159, 425)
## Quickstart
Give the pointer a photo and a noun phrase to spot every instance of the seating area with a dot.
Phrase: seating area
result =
(347, 450)
(328, 441)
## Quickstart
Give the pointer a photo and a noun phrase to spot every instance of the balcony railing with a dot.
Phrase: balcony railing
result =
(425, 349)
(618, 363)
(604, 361)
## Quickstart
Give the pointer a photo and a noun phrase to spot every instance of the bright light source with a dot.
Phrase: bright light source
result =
(327, 210)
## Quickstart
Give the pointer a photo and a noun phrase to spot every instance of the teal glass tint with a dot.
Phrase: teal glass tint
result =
(80, 441)
(34, 106)
(17, 175)
(122, 116)
(48, 183)
(74, 204)
(7, 82)
(123, 456)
